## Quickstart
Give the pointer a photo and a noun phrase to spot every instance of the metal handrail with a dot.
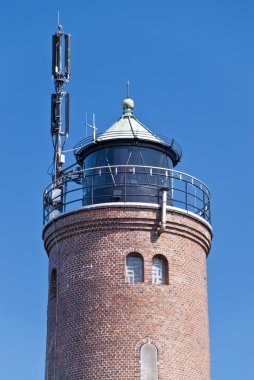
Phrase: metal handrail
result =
(134, 166)
(84, 187)
(169, 142)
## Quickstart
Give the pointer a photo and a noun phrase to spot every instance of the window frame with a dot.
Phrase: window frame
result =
(134, 255)
(164, 269)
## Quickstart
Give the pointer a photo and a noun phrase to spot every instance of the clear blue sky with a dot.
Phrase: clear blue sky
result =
(191, 68)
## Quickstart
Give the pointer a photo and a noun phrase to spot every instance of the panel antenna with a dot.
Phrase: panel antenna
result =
(60, 100)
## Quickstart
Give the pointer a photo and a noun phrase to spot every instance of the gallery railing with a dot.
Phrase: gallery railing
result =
(143, 135)
(125, 183)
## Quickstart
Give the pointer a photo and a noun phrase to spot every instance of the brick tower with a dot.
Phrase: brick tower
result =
(127, 237)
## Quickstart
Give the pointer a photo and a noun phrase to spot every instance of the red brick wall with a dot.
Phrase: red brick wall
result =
(98, 322)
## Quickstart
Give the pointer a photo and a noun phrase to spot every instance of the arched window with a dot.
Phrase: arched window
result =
(148, 359)
(134, 268)
(53, 284)
(160, 270)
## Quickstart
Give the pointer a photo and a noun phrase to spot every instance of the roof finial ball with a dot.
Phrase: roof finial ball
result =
(128, 105)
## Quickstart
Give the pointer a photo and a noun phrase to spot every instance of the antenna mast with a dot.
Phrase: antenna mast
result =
(61, 76)
(93, 127)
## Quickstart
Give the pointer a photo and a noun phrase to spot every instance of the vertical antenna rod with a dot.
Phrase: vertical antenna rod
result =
(61, 43)
(128, 89)
(93, 127)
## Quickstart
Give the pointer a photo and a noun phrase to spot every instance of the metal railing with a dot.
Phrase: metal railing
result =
(125, 183)
(111, 135)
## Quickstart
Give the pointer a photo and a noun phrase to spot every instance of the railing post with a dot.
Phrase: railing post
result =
(92, 188)
(171, 189)
(186, 195)
(125, 186)
(64, 195)
(204, 203)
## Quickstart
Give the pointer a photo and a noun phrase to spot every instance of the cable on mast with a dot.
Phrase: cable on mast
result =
(61, 70)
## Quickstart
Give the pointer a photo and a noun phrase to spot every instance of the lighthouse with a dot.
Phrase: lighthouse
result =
(127, 237)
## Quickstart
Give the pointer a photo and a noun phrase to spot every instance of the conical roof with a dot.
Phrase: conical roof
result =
(128, 127)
